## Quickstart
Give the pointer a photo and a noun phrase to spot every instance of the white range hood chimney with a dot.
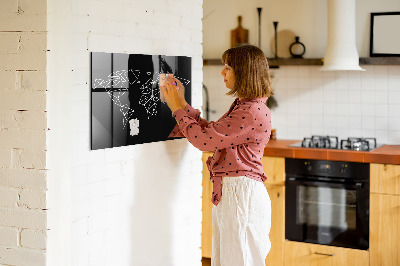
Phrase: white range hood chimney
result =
(341, 51)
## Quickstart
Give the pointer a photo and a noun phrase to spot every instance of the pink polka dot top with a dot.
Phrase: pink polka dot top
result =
(238, 139)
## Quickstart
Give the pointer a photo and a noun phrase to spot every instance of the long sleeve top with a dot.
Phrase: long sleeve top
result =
(238, 139)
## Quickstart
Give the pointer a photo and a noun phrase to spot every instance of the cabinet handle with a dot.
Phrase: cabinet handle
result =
(324, 254)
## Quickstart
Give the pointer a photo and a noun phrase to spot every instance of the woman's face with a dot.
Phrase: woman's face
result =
(229, 76)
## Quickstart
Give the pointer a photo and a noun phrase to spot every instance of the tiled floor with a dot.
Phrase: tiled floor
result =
(206, 261)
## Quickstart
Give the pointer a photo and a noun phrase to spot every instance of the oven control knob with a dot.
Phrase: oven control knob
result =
(343, 168)
(308, 166)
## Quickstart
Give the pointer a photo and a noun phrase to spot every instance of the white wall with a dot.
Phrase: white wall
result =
(311, 102)
(343, 104)
(23, 133)
(134, 205)
(306, 19)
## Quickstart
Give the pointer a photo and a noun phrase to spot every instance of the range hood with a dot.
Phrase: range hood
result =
(341, 51)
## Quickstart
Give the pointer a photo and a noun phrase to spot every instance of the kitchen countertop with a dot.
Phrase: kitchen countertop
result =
(389, 154)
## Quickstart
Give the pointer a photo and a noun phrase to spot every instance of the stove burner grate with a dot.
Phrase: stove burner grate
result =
(358, 144)
(327, 142)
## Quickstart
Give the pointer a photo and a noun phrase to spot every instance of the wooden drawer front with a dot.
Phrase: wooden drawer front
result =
(385, 178)
(274, 168)
(384, 237)
(277, 233)
(304, 254)
(206, 225)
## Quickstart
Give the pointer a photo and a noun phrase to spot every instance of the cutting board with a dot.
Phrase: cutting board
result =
(239, 35)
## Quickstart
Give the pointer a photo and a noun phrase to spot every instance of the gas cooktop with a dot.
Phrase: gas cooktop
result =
(332, 142)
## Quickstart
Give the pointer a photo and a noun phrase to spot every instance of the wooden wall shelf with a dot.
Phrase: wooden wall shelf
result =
(380, 61)
(273, 63)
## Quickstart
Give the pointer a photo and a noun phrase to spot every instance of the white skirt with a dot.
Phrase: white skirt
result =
(241, 223)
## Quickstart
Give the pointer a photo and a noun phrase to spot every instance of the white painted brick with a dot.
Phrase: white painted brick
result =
(179, 7)
(22, 100)
(9, 42)
(19, 217)
(36, 7)
(17, 256)
(33, 42)
(81, 77)
(105, 42)
(33, 239)
(196, 10)
(183, 35)
(23, 178)
(15, 158)
(33, 159)
(120, 154)
(31, 80)
(114, 187)
(23, 22)
(197, 38)
(127, 169)
(9, 237)
(80, 63)
(33, 199)
(197, 63)
(80, 108)
(8, 80)
(8, 197)
(96, 173)
(8, 6)
(98, 222)
(133, 44)
(5, 158)
(80, 228)
(190, 22)
(35, 120)
(28, 61)
(192, 48)
(80, 159)
(161, 32)
(11, 138)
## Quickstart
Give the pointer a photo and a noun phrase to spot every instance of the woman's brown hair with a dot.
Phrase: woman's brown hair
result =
(250, 66)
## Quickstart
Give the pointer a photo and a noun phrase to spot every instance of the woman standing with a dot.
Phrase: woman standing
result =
(242, 208)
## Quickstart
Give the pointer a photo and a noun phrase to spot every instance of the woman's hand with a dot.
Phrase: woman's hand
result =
(181, 92)
(172, 95)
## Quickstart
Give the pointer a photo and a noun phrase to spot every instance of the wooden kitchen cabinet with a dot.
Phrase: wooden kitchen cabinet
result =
(277, 233)
(385, 178)
(274, 168)
(385, 215)
(384, 236)
(305, 254)
(206, 225)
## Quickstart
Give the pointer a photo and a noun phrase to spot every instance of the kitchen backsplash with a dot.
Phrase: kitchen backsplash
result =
(314, 102)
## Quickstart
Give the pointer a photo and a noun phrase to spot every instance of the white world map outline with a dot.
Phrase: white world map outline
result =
(149, 96)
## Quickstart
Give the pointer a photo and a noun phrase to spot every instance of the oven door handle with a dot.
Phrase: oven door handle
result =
(357, 185)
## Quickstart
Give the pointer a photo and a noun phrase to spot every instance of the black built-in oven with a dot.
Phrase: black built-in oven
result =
(327, 202)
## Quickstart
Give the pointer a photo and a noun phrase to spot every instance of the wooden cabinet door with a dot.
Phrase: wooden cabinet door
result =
(384, 236)
(206, 232)
(277, 233)
(304, 254)
(385, 178)
(274, 168)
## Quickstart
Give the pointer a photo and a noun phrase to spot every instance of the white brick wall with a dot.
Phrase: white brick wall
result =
(135, 205)
(23, 128)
